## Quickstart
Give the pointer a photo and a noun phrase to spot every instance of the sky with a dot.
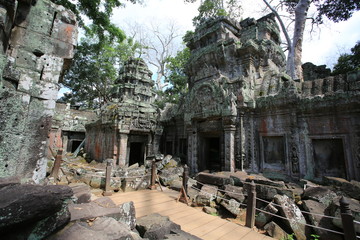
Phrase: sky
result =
(321, 47)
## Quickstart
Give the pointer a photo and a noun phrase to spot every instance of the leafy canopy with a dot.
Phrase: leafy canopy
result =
(210, 9)
(99, 12)
(95, 68)
(348, 62)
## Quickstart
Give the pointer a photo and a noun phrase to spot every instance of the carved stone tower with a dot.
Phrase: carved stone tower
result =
(129, 123)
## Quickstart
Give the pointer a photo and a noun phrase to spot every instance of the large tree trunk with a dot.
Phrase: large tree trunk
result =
(293, 66)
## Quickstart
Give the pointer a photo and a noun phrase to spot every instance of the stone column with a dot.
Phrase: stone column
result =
(123, 148)
(229, 140)
(241, 145)
(149, 149)
(192, 150)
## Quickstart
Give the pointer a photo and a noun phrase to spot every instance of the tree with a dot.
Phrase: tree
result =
(158, 43)
(209, 9)
(176, 76)
(98, 12)
(338, 10)
(95, 68)
(348, 62)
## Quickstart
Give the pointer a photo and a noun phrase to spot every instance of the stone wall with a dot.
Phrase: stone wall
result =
(37, 39)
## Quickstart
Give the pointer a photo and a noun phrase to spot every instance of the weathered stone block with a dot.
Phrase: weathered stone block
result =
(319, 221)
(81, 192)
(234, 192)
(206, 195)
(232, 206)
(155, 226)
(104, 228)
(21, 204)
(275, 231)
(213, 179)
(101, 208)
(320, 194)
(295, 219)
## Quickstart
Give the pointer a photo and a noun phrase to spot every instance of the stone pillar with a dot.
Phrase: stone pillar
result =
(149, 149)
(157, 140)
(229, 140)
(241, 145)
(192, 150)
(123, 148)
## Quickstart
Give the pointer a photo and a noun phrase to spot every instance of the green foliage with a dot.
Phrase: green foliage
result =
(348, 62)
(209, 9)
(336, 10)
(188, 35)
(95, 68)
(99, 12)
(176, 77)
(314, 237)
(289, 237)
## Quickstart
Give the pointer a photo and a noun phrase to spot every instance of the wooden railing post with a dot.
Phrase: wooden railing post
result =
(153, 175)
(57, 164)
(107, 191)
(185, 178)
(251, 205)
(347, 220)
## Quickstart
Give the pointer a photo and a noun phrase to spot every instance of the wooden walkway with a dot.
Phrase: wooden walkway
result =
(191, 220)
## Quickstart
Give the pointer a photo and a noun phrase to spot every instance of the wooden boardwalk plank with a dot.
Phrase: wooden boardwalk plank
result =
(191, 220)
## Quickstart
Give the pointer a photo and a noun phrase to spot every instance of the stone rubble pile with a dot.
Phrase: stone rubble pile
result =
(225, 193)
(58, 212)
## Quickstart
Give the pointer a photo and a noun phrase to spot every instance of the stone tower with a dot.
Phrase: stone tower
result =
(126, 130)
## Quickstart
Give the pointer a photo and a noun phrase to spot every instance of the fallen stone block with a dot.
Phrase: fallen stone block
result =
(102, 228)
(206, 195)
(275, 231)
(135, 183)
(155, 226)
(104, 207)
(352, 189)
(81, 192)
(319, 221)
(295, 220)
(232, 206)
(33, 211)
(234, 192)
(320, 194)
(213, 179)
(262, 218)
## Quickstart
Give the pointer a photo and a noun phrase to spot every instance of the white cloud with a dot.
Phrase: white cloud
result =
(322, 48)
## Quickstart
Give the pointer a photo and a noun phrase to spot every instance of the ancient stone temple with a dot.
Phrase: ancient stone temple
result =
(127, 129)
(37, 41)
(243, 112)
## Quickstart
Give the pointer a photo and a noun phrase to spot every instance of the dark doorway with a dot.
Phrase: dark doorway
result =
(74, 145)
(210, 157)
(136, 153)
(74, 140)
(329, 157)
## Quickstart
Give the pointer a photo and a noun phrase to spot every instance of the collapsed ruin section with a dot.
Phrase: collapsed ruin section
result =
(68, 128)
(37, 41)
(127, 130)
(243, 112)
